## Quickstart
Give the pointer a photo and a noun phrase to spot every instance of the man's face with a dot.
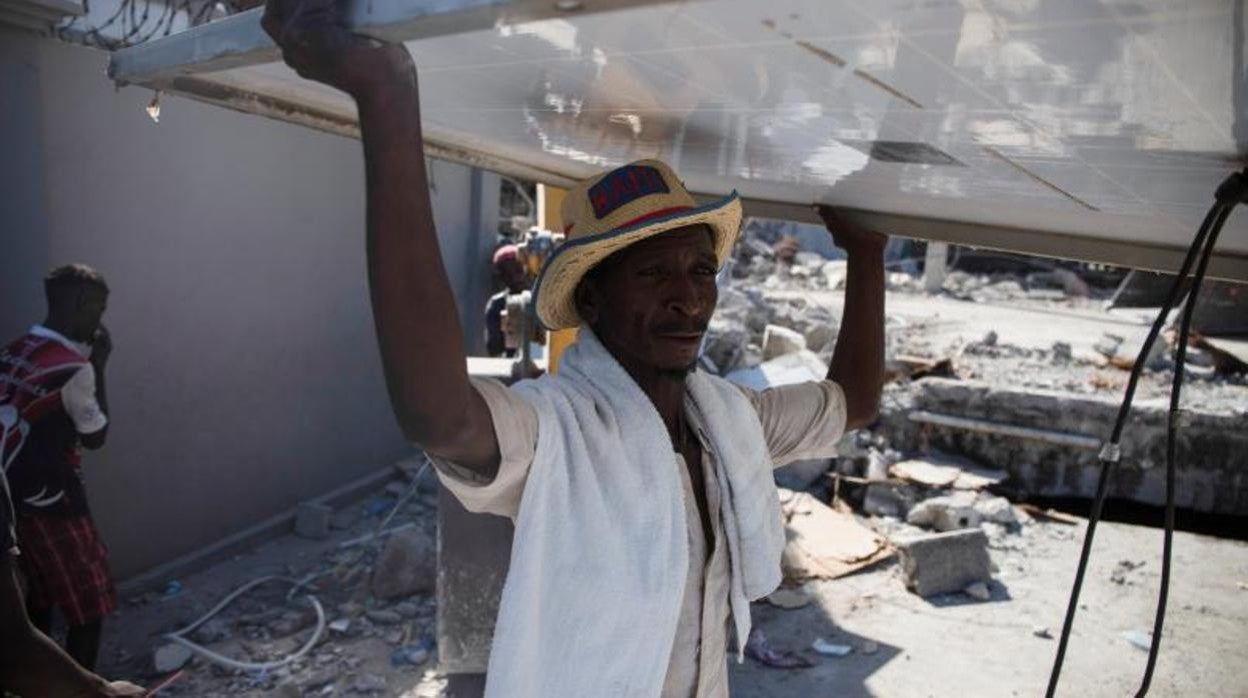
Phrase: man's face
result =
(92, 302)
(650, 306)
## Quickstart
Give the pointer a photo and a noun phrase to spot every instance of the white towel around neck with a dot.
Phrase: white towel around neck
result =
(600, 556)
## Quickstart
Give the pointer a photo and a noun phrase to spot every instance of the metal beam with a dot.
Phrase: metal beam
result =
(238, 40)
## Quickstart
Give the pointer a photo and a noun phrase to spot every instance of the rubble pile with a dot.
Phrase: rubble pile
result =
(374, 574)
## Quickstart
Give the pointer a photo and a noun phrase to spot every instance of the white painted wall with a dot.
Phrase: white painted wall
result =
(246, 376)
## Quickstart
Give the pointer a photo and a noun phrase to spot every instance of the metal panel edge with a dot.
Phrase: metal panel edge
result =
(1132, 254)
(239, 40)
(1231, 267)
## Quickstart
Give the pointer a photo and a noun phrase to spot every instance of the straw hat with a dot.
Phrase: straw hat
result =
(604, 214)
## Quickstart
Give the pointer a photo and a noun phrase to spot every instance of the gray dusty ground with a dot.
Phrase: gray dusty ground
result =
(955, 646)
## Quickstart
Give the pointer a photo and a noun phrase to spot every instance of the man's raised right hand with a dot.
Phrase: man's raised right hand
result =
(316, 43)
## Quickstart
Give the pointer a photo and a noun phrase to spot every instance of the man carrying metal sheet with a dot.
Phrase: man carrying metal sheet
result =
(641, 488)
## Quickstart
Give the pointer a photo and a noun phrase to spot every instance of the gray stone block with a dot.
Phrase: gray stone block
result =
(945, 562)
(312, 520)
(408, 565)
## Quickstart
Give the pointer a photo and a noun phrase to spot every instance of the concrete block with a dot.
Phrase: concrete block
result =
(312, 520)
(947, 513)
(889, 498)
(408, 565)
(778, 341)
(945, 562)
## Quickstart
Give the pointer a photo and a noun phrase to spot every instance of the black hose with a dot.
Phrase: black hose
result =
(1109, 455)
(1180, 359)
(1232, 191)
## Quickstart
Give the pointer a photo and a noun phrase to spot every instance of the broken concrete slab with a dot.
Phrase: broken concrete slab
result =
(939, 470)
(823, 543)
(312, 520)
(945, 562)
(407, 565)
(925, 472)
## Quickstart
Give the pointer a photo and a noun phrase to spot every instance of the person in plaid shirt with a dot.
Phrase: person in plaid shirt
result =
(52, 405)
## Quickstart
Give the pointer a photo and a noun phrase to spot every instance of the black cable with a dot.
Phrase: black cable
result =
(1109, 454)
(1232, 191)
(1180, 360)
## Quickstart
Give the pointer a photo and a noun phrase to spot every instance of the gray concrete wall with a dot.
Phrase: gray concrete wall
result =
(1209, 474)
(246, 376)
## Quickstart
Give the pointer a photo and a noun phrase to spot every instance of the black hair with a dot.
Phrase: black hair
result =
(63, 283)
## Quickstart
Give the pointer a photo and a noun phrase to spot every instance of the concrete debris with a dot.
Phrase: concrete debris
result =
(888, 498)
(798, 367)
(996, 509)
(407, 565)
(925, 473)
(1062, 353)
(170, 657)
(978, 591)
(877, 465)
(820, 336)
(342, 625)
(829, 649)
(384, 617)
(312, 520)
(946, 513)
(943, 563)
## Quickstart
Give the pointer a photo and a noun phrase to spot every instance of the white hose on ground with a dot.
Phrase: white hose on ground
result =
(178, 635)
(222, 660)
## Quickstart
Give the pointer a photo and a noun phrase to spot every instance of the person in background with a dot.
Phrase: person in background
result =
(508, 270)
(53, 403)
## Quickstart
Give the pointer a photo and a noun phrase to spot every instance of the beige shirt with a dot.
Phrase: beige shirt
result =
(800, 422)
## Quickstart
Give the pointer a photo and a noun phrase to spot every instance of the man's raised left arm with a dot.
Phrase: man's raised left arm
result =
(858, 361)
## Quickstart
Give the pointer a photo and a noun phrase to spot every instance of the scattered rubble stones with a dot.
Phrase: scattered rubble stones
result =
(407, 565)
(384, 617)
